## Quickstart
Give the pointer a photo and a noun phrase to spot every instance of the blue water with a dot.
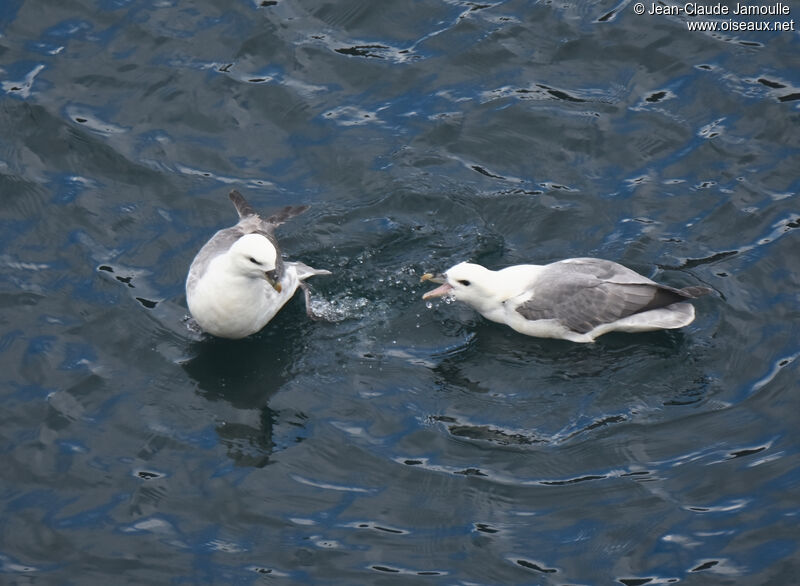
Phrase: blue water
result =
(391, 441)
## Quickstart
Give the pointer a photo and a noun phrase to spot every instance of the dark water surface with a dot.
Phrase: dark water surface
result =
(394, 442)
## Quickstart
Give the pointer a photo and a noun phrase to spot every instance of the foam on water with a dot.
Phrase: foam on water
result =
(339, 308)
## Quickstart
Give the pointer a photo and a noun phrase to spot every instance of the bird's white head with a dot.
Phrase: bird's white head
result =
(465, 282)
(253, 255)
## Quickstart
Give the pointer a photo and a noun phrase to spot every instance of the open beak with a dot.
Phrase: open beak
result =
(270, 277)
(440, 291)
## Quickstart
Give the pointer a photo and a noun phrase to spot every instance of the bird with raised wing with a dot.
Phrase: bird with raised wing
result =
(238, 281)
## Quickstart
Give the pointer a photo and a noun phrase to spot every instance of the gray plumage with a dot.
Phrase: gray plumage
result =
(249, 223)
(584, 293)
(238, 280)
(576, 299)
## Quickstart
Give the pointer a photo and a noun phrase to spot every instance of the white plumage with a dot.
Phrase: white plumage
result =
(238, 281)
(576, 299)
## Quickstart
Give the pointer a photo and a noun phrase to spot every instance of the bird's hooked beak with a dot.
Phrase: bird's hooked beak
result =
(270, 277)
(440, 291)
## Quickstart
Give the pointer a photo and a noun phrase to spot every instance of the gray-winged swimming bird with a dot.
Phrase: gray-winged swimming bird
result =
(238, 281)
(576, 299)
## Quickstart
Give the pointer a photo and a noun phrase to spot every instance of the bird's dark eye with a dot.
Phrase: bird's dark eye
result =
(254, 261)
(464, 282)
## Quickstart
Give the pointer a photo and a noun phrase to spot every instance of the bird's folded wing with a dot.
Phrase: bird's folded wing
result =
(582, 301)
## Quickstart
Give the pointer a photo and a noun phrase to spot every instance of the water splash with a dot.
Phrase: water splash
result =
(339, 308)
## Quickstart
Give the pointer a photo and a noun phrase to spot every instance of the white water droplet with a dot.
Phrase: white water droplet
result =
(339, 308)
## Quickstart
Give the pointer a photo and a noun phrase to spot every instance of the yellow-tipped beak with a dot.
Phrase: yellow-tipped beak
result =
(440, 291)
(275, 284)
(431, 277)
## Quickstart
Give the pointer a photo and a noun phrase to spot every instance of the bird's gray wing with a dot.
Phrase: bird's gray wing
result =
(255, 221)
(285, 214)
(218, 244)
(612, 272)
(243, 208)
(250, 222)
(583, 296)
(605, 270)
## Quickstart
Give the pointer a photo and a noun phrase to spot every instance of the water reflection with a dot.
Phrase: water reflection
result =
(423, 441)
(245, 374)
